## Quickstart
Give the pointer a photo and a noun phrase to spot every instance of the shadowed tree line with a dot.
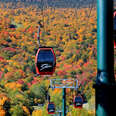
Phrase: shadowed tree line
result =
(56, 3)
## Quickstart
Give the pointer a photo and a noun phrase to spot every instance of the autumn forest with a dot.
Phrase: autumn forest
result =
(72, 34)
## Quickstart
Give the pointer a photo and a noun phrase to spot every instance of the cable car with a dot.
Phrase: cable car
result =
(114, 43)
(45, 61)
(78, 101)
(114, 23)
(51, 108)
(12, 26)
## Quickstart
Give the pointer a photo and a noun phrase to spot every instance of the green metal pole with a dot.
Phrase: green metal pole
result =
(64, 101)
(104, 37)
(59, 113)
(105, 60)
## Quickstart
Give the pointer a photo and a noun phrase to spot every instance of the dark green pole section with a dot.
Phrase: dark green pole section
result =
(105, 89)
(105, 56)
(64, 102)
(59, 113)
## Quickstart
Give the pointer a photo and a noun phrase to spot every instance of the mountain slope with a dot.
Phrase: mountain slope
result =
(56, 3)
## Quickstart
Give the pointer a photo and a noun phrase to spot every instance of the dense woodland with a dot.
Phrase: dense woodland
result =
(72, 34)
(55, 3)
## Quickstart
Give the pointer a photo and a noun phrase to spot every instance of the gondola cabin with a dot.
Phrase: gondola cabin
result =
(45, 61)
(78, 101)
(114, 43)
(114, 23)
(51, 108)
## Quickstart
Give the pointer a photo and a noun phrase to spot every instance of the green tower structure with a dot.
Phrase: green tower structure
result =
(105, 82)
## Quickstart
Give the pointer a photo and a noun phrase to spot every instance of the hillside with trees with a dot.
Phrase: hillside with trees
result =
(72, 34)
(55, 3)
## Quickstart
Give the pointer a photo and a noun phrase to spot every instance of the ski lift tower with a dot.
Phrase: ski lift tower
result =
(64, 84)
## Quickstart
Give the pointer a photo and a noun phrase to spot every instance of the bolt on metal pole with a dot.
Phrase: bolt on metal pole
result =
(64, 102)
(105, 80)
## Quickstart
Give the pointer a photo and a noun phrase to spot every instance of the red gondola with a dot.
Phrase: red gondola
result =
(51, 108)
(45, 61)
(114, 20)
(114, 44)
(78, 101)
